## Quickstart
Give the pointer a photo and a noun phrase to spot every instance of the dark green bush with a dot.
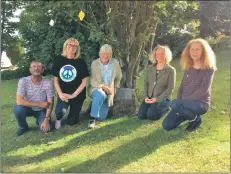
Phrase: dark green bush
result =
(14, 74)
(176, 42)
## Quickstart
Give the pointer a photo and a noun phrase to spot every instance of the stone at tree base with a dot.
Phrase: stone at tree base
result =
(124, 103)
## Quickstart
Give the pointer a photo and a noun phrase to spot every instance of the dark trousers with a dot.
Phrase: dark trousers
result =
(153, 111)
(21, 112)
(75, 108)
(182, 110)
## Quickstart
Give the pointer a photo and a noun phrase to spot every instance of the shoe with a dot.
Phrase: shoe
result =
(91, 124)
(192, 126)
(21, 131)
(72, 123)
(57, 124)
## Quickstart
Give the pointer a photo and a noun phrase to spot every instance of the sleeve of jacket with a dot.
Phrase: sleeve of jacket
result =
(95, 83)
(171, 85)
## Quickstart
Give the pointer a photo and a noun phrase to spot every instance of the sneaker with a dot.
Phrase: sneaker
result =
(192, 126)
(21, 131)
(57, 124)
(91, 124)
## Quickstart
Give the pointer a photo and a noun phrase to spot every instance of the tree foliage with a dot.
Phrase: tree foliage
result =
(129, 26)
(15, 50)
(9, 41)
(177, 25)
(45, 42)
(214, 17)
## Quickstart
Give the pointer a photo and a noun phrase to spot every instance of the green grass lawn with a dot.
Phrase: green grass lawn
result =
(124, 144)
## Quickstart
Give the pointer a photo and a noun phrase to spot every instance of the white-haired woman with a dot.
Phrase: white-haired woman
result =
(105, 78)
(158, 86)
(70, 80)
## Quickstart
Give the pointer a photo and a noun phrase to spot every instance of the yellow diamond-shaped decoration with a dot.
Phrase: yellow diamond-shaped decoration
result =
(81, 15)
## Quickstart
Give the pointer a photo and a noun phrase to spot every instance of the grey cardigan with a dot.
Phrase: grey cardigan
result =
(96, 79)
(161, 87)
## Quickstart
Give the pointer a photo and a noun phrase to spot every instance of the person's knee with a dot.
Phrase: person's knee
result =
(175, 104)
(167, 125)
(60, 112)
(187, 113)
(153, 115)
(141, 115)
(19, 110)
(99, 95)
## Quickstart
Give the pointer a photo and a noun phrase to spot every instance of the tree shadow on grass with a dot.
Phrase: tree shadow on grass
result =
(124, 154)
(34, 136)
(92, 137)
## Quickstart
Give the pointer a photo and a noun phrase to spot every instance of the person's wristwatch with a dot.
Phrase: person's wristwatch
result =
(48, 118)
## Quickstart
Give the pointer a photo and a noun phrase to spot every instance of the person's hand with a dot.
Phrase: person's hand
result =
(70, 96)
(107, 90)
(45, 125)
(44, 105)
(147, 100)
(152, 100)
(63, 96)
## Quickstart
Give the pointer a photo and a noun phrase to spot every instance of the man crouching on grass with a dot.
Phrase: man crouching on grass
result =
(35, 97)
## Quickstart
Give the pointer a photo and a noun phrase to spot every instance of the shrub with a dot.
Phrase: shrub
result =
(219, 43)
(176, 42)
(13, 74)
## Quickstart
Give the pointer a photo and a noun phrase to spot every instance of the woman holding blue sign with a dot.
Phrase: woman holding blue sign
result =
(70, 80)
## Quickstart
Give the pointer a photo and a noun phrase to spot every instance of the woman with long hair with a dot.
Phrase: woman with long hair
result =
(194, 94)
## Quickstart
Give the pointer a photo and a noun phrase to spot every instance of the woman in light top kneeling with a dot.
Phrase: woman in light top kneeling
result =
(193, 99)
(158, 86)
(105, 78)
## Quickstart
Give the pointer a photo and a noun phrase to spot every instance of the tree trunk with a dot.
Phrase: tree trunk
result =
(3, 19)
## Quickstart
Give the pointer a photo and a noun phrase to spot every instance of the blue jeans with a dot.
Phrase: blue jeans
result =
(183, 110)
(99, 105)
(21, 112)
(153, 111)
(73, 115)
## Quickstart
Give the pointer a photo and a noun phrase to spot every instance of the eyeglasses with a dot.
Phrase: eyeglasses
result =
(71, 45)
